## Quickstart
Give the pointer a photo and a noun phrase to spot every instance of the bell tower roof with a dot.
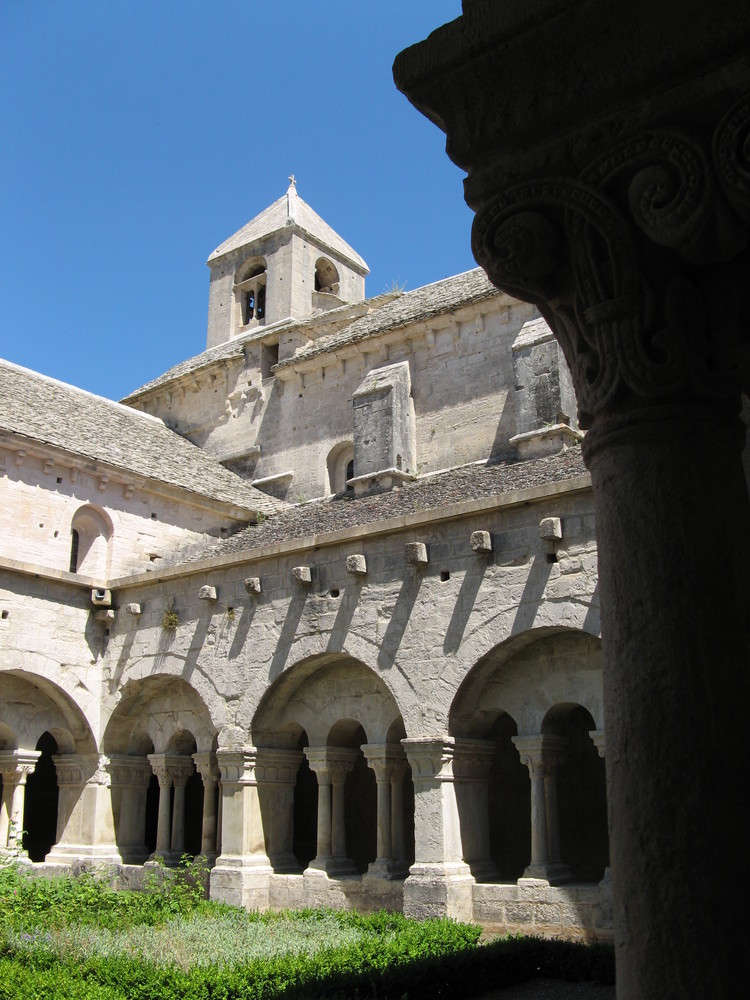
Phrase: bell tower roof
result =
(290, 211)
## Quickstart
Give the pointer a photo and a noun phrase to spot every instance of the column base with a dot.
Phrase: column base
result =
(286, 863)
(483, 871)
(390, 870)
(332, 867)
(241, 881)
(439, 890)
(68, 854)
(550, 871)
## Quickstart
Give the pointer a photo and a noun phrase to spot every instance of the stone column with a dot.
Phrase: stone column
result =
(471, 769)
(616, 200)
(398, 818)
(541, 755)
(85, 817)
(439, 882)
(163, 825)
(277, 776)
(388, 761)
(15, 766)
(181, 769)
(331, 766)
(130, 780)
(209, 772)
(598, 739)
(241, 873)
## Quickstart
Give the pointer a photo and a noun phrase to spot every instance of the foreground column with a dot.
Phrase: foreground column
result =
(611, 183)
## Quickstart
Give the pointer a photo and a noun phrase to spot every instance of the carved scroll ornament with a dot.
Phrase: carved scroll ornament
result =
(616, 260)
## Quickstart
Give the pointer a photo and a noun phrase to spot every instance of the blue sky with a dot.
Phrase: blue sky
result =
(138, 135)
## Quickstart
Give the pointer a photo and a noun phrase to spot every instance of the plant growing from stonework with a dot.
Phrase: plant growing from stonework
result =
(230, 613)
(170, 620)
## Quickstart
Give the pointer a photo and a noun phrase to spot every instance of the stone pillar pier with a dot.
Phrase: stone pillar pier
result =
(15, 766)
(388, 761)
(471, 770)
(241, 873)
(331, 766)
(439, 882)
(209, 771)
(616, 200)
(541, 755)
(130, 780)
(277, 776)
(85, 816)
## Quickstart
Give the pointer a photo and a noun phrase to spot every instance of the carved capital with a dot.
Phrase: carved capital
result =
(618, 259)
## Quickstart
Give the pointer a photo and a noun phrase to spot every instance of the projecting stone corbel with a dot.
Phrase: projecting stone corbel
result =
(252, 584)
(416, 554)
(207, 594)
(481, 542)
(303, 575)
(134, 609)
(356, 565)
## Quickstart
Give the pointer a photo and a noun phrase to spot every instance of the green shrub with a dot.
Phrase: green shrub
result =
(79, 939)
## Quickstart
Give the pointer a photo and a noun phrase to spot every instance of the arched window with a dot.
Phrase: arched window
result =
(340, 467)
(250, 293)
(90, 534)
(326, 276)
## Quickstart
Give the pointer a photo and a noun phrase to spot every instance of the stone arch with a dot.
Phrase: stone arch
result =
(43, 734)
(91, 531)
(250, 293)
(339, 467)
(581, 792)
(526, 704)
(326, 276)
(335, 716)
(162, 742)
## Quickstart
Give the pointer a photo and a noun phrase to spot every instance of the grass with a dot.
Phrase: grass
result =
(79, 939)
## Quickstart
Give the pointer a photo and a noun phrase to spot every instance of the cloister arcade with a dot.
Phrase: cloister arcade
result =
(515, 790)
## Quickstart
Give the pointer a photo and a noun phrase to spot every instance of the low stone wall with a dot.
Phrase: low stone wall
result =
(531, 906)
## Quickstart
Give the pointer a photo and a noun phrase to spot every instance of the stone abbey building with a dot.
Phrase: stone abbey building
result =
(319, 604)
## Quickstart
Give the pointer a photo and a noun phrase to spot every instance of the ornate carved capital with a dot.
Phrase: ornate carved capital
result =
(619, 259)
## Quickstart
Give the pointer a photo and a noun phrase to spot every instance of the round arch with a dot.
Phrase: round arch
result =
(532, 706)
(334, 721)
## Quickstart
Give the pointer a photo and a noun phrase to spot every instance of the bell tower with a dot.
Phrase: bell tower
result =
(285, 264)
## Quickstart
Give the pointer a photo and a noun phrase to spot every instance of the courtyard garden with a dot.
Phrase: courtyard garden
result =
(67, 938)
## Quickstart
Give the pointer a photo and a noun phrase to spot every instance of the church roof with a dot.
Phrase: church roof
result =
(387, 312)
(43, 410)
(438, 298)
(290, 210)
(478, 481)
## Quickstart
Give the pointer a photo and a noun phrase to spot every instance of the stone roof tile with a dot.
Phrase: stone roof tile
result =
(289, 210)
(44, 410)
(431, 492)
(439, 298)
